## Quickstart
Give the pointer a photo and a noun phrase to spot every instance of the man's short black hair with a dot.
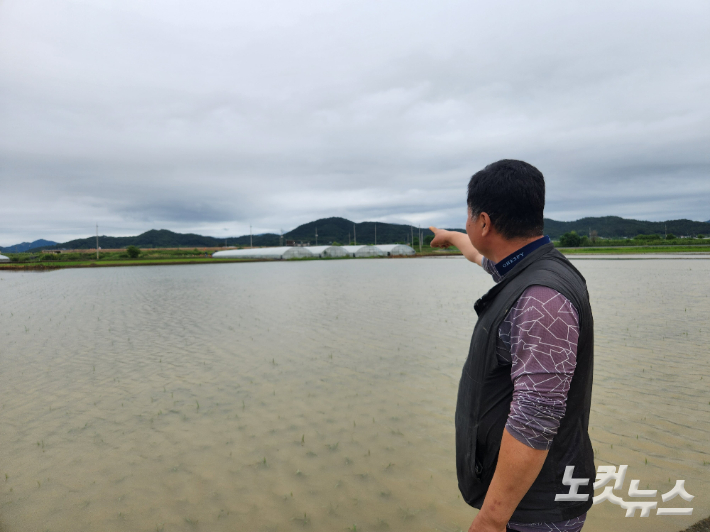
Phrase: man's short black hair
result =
(513, 194)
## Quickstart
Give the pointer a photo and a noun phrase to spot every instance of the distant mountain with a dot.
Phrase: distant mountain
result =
(329, 230)
(345, 231)
(338, 230)
(25, 246)
(150, 239)
(616, 227)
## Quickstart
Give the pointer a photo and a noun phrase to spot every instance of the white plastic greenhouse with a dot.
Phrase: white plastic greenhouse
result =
(264, 253)
(363, 251)
(3, 258)
(327, 251)
(396, 249)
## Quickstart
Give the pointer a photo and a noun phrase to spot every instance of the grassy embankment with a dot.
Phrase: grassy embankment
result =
(87, 259)
(156, 257)
(622, 250)
(701, 247)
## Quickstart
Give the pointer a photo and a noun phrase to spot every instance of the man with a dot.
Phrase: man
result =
(522, 412)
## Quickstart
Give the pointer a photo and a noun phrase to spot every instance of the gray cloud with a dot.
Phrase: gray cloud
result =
(211, 117)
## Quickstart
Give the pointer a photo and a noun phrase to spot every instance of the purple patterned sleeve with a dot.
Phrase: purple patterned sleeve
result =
(542, 330)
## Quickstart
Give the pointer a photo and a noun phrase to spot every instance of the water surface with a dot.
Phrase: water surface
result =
(316, 395)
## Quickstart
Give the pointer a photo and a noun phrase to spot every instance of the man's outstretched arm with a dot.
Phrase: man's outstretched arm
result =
(444, 239)
(518, 467)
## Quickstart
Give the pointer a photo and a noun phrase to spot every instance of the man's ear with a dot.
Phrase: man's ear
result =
(485, 221)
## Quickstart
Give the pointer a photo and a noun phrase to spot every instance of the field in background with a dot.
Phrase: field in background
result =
(165, 256)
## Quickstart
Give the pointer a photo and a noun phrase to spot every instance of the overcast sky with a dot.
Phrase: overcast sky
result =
(210, 116)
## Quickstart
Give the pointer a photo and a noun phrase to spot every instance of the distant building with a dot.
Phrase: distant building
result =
(291, 252)
(51, 251)
(364, 251)
(327, 251)
(3, 258)
(392, 250)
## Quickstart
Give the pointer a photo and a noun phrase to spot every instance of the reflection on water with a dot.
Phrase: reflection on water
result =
(318, 395)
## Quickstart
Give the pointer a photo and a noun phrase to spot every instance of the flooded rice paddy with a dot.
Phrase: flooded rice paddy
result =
(312, 395)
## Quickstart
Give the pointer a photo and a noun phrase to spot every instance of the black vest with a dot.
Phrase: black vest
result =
(486, 391)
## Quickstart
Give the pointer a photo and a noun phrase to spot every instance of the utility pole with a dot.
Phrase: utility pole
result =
(281, 238)
(251, 244)
(411, 239)
(665, 230)
(375, 233)
(420, 239)
(348, 238)
(97, 241)
(354, 235)
(316, 236)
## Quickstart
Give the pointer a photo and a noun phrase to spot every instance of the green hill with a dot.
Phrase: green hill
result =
(155, 238)
(616, 227)
(336, 229)
(343, 231)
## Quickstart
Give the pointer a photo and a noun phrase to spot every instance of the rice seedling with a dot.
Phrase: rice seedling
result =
(406, 514)
(305, 520)
(382, 524)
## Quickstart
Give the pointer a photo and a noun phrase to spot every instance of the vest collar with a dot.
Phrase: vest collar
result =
(512, 260)
(521, 265)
